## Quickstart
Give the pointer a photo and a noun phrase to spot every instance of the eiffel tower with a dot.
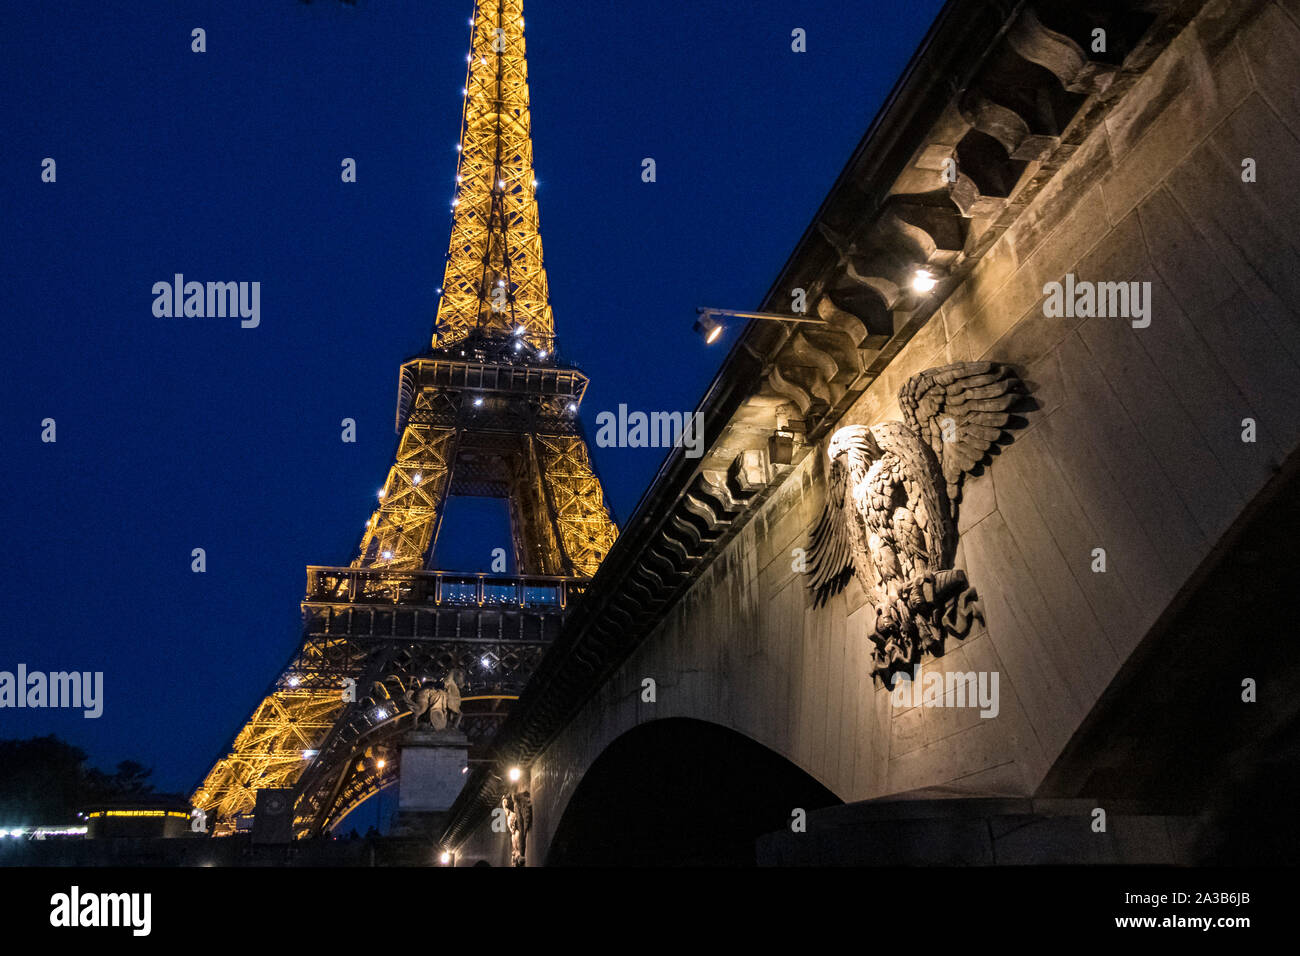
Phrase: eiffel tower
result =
(489, 410)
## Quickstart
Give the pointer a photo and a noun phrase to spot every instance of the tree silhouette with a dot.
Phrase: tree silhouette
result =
(44, 780)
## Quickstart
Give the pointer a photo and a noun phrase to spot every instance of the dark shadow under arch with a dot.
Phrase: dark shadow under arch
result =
(1172, 731)
(681, 792)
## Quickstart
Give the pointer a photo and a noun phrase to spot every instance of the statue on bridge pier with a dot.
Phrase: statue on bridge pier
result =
(519, 820)
(440, 704)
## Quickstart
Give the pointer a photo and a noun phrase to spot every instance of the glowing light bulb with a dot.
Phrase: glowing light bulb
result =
(923, 280)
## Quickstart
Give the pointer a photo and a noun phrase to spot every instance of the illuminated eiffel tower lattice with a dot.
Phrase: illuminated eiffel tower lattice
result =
(488, 410)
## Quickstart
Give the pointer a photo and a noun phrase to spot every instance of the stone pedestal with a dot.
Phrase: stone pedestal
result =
(431, 777)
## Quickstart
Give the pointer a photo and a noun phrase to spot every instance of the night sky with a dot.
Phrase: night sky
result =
(178, 433)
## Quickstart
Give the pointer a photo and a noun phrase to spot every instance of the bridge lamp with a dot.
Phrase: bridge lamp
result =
(514, 774)
(709, 327)
(444, 858)
(923, 280)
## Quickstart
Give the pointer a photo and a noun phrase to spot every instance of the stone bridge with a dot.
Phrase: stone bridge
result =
(1128, 538)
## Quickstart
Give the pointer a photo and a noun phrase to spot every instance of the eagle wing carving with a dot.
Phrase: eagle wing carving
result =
(960, 411)
(831, 549)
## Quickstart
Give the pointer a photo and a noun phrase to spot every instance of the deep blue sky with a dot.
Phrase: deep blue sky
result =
(183, 433)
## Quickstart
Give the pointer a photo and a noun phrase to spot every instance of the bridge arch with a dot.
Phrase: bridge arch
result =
(681, 791)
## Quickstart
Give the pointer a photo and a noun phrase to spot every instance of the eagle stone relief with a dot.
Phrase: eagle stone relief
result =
(891, 508)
